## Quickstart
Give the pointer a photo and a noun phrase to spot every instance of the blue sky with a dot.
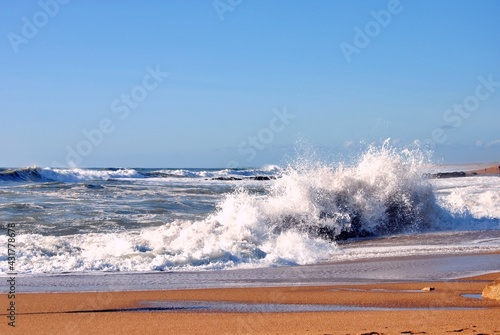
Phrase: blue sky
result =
(239, 83)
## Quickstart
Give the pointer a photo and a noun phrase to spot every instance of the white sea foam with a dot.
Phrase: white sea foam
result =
(469, 202)
(217, 173)
(295, 222)
(77, 175)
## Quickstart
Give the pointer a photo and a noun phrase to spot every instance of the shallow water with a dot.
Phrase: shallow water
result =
(362, 271)
(472, 296)
(217, 306)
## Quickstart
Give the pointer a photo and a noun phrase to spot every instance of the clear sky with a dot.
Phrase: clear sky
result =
(239, 82)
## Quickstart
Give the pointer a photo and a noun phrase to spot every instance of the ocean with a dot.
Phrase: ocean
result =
(147, 221)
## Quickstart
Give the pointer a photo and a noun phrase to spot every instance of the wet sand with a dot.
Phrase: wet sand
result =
(409, 310)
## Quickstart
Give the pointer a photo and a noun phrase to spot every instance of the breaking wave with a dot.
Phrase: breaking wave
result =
(296, 221)
(37, 174)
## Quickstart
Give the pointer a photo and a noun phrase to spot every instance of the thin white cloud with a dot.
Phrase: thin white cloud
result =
(481, 144)
(493, 143)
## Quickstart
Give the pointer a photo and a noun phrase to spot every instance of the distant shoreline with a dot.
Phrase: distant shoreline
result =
(489, 171)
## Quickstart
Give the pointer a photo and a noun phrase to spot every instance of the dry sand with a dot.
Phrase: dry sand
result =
(106, 312)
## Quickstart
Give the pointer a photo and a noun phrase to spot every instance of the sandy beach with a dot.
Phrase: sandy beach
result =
(390, 308)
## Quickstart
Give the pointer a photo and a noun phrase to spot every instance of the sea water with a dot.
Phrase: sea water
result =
(137, 220)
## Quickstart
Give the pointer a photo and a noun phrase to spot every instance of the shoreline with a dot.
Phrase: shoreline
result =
(488, 171)
(410, 268)
(492, 170)
(408, 310)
